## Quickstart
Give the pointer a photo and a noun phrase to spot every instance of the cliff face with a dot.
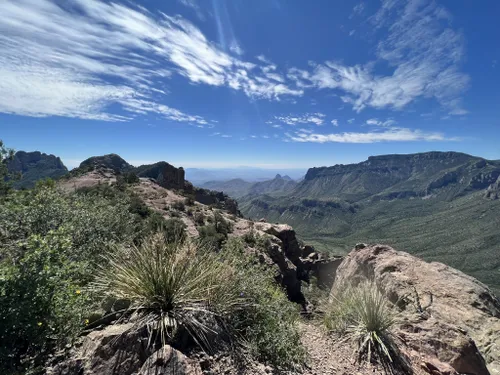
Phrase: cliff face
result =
(449, 174)
(165, 174)
(34, 166)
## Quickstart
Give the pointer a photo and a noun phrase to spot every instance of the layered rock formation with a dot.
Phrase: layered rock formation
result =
(448, 319)
(34, 166)
(165, 174)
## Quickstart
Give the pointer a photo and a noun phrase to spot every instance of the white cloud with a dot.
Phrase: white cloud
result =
(389, 135)
(307, 131)
(423, 51)
(80, 60)
(276, 126)
(195, 7)
(352, 32)
(313, 118)
(335, 122)
(358, 9)
(377, 122)
(351, 120)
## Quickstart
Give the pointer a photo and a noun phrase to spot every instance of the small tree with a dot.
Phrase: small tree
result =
(6, 155)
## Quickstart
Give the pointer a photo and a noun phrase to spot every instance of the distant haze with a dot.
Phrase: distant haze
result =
(201, 175)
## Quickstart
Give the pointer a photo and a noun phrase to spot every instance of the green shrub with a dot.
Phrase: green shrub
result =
(42, 306)
(138, 207)
(178, 205)
(174, 231)
(210, 237)
(199, 218)
(169, 285)
(269, 322)
(363, 314)
(189, 201)
(50, 243)
(250, 238)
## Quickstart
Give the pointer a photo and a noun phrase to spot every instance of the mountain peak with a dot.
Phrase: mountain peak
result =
(111, 161)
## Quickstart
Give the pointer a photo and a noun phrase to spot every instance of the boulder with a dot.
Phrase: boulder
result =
(118, 349)
(168, 361)
(448, 316)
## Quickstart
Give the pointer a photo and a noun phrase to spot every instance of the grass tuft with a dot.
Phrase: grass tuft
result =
(364, 315)
(171, 285)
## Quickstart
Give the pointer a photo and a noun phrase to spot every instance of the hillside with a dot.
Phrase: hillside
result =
(436, 205)
(104, 254)
(34, 166)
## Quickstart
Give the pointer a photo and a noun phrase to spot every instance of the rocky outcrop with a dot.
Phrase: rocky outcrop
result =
(493, 191)
(109, 161)
(166, 175)
(448, 318)
(34, 166)
(297, 263)
(123, 349)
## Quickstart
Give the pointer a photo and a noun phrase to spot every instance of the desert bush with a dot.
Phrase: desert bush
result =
(250, 238)
(221, 225)
(178, 205)
(268, 325)
(210, 237)
(189, 201)
(364, 315)
(41, 303)
(169, 285)
(199, 218)
(50, 243)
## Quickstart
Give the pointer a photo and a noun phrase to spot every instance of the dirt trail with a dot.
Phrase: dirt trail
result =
(327, 357)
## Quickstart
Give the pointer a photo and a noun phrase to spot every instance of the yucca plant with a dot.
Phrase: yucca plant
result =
(364, 314)
(171, 285)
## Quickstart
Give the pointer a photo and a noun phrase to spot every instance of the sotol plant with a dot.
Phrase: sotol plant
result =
(363, 314)
(171, 285)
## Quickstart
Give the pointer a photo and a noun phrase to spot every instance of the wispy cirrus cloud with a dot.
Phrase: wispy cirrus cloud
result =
(421, 48)
(389, 135)
(308, 118)
(111, 54)
(377, 122)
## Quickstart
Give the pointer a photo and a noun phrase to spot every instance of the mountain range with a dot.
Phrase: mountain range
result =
(238, 187)
(441, 206)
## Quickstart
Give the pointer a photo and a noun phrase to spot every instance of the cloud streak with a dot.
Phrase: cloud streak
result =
(389, 135)
(420, 47)
(308, 118)
(111, 54)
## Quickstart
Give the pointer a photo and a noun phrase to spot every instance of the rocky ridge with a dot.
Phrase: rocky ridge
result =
(449, 321)
(34, 166)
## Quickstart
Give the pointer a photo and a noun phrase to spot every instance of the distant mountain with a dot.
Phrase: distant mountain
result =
(432, 204)
(238, 188)
(199, 176)
(234, 188)
(34, 166)
(277, 185)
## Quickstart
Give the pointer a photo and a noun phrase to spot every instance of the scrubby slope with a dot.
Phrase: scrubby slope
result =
(433, 205)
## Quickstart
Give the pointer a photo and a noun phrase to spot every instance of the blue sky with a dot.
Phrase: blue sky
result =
(268, 83)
